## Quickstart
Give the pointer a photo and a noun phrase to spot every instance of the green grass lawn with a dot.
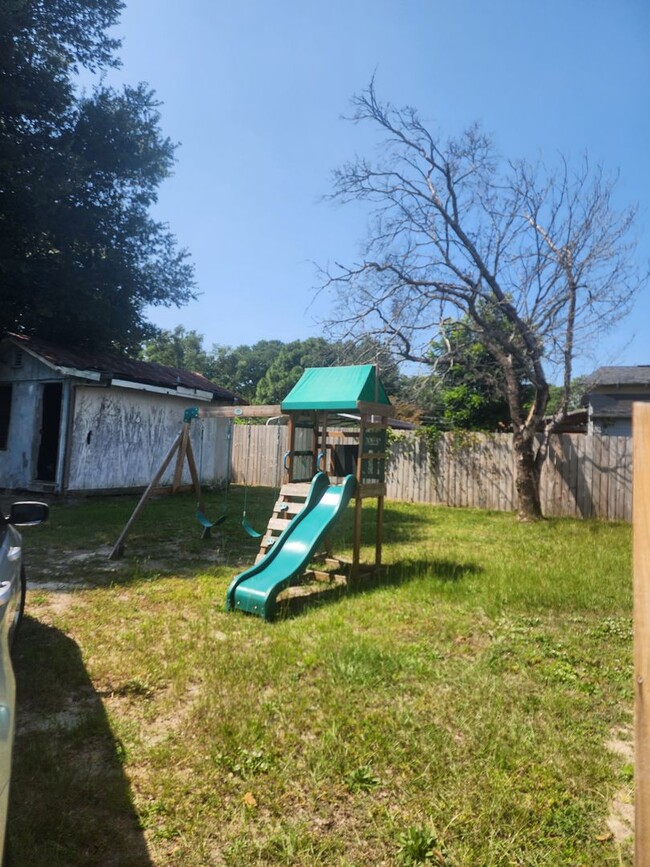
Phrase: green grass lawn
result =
(456, 712)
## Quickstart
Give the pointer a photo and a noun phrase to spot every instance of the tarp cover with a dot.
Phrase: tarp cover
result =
(335, 388)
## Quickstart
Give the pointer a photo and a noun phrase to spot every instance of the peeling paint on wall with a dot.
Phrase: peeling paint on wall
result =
(120, 437)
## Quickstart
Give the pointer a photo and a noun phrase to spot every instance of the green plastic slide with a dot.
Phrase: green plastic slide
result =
(256, 590)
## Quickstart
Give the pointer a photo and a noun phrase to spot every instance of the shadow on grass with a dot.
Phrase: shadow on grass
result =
(70, 800)
(441, 571)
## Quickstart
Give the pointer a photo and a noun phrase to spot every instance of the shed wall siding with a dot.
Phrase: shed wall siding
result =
(120, 437)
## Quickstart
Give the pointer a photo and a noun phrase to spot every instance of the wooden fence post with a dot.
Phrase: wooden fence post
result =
(641, 565)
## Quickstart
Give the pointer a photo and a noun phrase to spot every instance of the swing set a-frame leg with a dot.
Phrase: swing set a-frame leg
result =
(182, 448)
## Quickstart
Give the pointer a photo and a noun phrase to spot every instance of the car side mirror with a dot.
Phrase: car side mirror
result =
(28, 513)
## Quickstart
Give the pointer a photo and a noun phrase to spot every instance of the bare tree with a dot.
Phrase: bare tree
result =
(537, 262)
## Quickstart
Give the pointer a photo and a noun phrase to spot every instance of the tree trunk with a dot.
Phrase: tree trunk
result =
(529, 507)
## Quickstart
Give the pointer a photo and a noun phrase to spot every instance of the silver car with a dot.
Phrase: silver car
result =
(12, 604)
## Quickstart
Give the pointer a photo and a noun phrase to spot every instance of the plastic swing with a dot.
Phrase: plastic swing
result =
(201, 517)
(252, 532)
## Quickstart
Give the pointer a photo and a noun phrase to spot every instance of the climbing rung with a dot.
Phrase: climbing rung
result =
(277, 524)
(295, 489)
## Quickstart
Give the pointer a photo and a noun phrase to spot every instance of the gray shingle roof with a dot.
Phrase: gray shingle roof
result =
(618, 376)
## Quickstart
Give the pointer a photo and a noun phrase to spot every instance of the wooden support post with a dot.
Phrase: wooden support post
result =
(315, 432)
(323, 443)
(292, 448)
(356, 541)
(641, 562)
(118, 547)
(196, 481)
(358, 505)
(379, 532)
(180, 457)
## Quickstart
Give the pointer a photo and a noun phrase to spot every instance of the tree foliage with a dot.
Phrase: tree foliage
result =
(288, 366)
(536, 261)
(242, 367)
(266, 371)
(469, 389)
(80, 255)
(180, 348)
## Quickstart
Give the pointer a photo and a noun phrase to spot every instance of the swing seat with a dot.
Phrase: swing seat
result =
(252, 532)
(207, 524)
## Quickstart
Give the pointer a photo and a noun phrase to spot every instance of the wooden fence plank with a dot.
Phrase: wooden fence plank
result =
(627, 482)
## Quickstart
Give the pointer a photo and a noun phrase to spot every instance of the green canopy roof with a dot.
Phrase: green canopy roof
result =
(336, 388)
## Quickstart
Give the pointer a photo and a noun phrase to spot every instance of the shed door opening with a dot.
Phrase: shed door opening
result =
(48, 451)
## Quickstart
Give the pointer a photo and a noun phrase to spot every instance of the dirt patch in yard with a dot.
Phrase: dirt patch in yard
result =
(620, 821)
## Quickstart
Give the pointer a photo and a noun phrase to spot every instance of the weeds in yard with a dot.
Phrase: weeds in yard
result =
(362, 779)
(417, 845)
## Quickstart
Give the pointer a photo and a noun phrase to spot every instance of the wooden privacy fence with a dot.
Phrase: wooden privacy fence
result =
(584, 476)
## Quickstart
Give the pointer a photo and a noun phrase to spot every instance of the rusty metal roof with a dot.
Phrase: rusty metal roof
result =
(112, 366)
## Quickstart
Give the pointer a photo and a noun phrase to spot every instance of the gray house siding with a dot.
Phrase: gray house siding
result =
(610, 408)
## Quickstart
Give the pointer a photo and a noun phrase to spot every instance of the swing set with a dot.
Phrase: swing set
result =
(205, 522)
(317, 406)
(183, 451)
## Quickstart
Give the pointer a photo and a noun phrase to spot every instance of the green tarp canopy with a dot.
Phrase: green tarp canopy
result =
(336, 388)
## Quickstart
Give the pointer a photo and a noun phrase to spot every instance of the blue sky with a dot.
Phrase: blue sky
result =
(254, 92)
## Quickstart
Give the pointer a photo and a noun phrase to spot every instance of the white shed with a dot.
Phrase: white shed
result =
(96, 422)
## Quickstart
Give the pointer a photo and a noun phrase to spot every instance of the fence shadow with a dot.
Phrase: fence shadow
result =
(589, 477)
(70, 801)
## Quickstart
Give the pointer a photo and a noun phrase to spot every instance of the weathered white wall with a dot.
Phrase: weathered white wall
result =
(120, 437)
(18, 461)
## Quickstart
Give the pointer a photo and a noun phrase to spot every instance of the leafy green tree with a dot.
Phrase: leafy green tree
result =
(470, 389)
(80, 256)
(241, 368)
(182, 349)
(576, 392)
(289, 364)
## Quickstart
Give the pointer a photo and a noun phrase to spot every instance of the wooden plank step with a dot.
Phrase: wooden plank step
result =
(327, 577)
(278, 524)
(337, 563)
(374, 490)
(295, 489)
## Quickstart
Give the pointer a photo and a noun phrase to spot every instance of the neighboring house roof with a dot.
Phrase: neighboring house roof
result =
(616, 377)
(610, 391)
(106, 366)
(334, 388)
(574, 421)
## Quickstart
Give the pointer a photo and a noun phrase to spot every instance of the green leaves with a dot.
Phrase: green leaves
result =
(80, 256)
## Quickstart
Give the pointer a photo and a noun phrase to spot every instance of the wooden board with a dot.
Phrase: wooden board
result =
(641, 561)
